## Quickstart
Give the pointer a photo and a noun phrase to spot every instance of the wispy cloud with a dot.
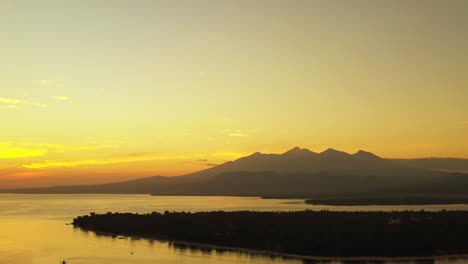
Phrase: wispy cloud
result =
(9, 107)
(227, 155)
(68, 148)
(43, 82)
(217, 156)
(11, 150)
(204, 162)
(104, 161)
(237, 134)
(12, 101)
(14, 153)
(136, 157)
(61, 98)
(38, 104)
(15, 103)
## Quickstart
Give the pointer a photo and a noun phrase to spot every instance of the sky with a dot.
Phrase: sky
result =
(101, 91)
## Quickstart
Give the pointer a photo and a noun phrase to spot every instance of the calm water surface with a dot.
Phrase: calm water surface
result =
(33, 229)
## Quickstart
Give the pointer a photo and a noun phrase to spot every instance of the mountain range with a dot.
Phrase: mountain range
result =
(300, 172)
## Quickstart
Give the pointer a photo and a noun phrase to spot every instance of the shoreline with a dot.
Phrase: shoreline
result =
(321, 235)
(280, 254)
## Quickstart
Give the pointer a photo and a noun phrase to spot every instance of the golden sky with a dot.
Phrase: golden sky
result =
(99, 91)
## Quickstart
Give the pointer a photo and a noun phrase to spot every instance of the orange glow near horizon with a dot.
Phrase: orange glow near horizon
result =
(91, 93)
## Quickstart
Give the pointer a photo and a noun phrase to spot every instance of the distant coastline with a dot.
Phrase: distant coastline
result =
(389, 201)
(306, 234)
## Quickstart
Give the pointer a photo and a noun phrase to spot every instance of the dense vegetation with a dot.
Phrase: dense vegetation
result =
(307, 232)
(390, 201)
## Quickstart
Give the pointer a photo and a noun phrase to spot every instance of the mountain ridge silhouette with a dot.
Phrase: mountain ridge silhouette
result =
(296, 172)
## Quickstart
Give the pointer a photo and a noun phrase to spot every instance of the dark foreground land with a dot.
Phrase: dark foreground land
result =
(304, 233)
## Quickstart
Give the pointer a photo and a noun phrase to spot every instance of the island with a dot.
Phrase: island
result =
(304, 233)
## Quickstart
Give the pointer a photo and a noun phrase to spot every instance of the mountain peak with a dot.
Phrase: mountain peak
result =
(365, 154)
(297, 150)
(333, 153)
(293, 150)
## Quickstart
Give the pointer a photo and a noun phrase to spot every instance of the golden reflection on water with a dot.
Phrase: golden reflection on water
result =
(34, 230)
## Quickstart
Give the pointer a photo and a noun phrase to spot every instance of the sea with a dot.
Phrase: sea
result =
(36, 229)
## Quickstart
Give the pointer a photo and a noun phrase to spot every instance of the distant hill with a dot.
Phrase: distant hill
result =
(298, 172)
(439, 164)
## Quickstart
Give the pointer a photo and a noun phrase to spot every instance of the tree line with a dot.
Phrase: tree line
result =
(318, 233)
